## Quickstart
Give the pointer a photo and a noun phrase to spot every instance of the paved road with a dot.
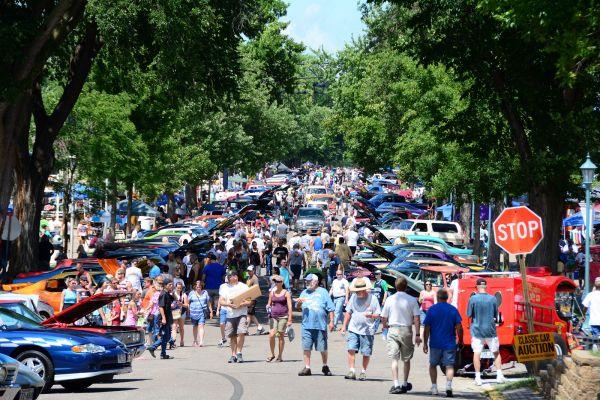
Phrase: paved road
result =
(204, 373)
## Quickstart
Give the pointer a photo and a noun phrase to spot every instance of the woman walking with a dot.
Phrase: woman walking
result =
(199, 302)
(427, 298)
(180, 305)
(280, 306)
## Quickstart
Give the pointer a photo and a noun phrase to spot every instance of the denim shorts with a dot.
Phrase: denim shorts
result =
(314, 338)
(222, 316)
(360, 343)
(442, 357)
(200, 320)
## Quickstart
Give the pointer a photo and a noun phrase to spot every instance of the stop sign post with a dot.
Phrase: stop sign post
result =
(518, 231)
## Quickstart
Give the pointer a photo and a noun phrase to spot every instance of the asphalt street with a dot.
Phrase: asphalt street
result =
(205, 373)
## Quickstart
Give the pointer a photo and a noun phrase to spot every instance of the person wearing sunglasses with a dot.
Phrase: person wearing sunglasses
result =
(280, 316)
(70, 295)
(427, 298)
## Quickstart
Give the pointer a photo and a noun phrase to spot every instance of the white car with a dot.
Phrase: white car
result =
(278, 179)
(450, 232)
(32, 301)
(314, 189)
(323, 205)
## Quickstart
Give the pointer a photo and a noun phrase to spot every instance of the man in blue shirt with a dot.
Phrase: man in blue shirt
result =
(442, 322)
(213, 276)
(316, 305)
(483, 311)
(154, 269)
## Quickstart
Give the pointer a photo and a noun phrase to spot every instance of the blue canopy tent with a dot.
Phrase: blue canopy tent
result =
(163, 199)
(577, 219)
(137, 208)
(446, 210)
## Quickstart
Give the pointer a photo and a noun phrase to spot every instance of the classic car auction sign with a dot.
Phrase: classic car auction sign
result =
(535, 347)
(518, 230)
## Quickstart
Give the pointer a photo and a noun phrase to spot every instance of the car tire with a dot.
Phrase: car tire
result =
(40, 364)
(76, 386)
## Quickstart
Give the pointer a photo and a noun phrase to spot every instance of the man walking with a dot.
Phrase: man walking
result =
(592, 302)
(339, 291)
(400, 312)
(442, 328)
(213, 276)
(236, 325)
(483, 311)
(361, 313)
(165, 314)
(316, 305)
(380, 292)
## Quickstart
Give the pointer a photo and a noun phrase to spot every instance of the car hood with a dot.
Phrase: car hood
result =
(377, 249)
(83, 308)
(61, 337)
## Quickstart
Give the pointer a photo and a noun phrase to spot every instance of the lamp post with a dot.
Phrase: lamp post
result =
(587, 171)
(72, 164)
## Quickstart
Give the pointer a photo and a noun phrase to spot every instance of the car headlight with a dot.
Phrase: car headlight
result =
(3, 374)
(88, 348)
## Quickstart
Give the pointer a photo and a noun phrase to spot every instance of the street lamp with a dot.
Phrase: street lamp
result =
(587, 171)
(72, 165)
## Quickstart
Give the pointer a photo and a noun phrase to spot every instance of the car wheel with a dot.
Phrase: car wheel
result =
(76, 386)
(39, 363)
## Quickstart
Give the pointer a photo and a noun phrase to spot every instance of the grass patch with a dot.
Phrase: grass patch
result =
(523, 383)
(595, 353)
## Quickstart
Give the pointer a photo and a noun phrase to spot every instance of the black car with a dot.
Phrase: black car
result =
(378, 200)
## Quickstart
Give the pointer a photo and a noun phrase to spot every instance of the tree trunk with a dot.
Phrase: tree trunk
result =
(190, 197)
(128, 228)
(170, 204)
(66, 214)
(113, 204)
(494, 251)
(477, 231)
(547, 203)
(465, 216)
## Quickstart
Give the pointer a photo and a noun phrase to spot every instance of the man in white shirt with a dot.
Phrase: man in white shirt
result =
(592, 302)
(352, 239)
(134, 275)
(339, 291)
(236, 326)
(400, 312)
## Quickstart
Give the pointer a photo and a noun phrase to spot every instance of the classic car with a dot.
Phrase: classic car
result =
(31, 301)
(17, 381)
(74, 359)
(131, 336)
(308, 218)
(440, 244)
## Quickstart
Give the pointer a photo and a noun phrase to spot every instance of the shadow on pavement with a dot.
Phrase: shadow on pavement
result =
(93, 389)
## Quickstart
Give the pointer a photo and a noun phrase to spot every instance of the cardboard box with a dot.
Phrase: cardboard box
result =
(250, 294)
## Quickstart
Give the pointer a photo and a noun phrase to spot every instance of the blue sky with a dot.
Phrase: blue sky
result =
(324, 23)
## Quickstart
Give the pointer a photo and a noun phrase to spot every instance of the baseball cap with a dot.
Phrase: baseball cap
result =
(311, 277)
(231, 272)
(481, 281)
(377, 272)
(212, 256)
(597, 280)
(250, 268)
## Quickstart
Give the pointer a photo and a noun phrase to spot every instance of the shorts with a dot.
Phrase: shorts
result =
(236, 326)
(297, 271)
(252, 308)
(478, 343)
(214, 296)
(360, 343)
(314, 338)
(222, 316)
(400, 344)
(201, 320)
(442, 357)
(278, 324)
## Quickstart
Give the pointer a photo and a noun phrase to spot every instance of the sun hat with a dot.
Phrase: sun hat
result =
(359, 284)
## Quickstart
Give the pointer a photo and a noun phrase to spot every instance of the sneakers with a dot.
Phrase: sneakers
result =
(305, 372)
(449, 393)
(406, 388)
(501, 379)
(434, 391)
(326, 371)
(260, 330)
(395, 390)
(166, 357)
(478, 381)
(232, 360)
(362, 376)
(222, 342)
(239, 358)
(151, 351)
(350, 375)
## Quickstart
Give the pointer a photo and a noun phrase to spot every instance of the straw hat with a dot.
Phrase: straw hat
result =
(359, 284)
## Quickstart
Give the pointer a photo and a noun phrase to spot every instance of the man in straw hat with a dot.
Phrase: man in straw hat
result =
(362, 311)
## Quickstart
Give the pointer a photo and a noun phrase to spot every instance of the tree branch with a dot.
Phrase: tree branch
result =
(79, 69)
(62, 20)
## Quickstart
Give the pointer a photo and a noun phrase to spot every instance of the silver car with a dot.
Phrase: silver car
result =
(309, 218)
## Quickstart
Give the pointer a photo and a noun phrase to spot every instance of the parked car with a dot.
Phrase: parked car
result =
(309, 218)
(74, 359)
(32, 301)
(131, 336)
(378, 200)
(449, 232)
(17, 381)
(438, 243)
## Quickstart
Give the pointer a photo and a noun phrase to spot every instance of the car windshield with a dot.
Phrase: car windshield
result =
(310, 213)
(22, 309)
(406, 225)
(198, 231)
(11, 321)
(317, 191)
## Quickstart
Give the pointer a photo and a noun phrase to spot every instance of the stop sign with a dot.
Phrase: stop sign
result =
(518, 230)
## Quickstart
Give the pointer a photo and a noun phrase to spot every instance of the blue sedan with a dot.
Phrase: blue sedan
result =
(71, 358)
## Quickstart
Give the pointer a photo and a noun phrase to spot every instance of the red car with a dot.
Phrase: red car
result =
(132, 337)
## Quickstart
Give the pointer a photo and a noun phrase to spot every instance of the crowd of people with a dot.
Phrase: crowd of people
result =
(303, 272)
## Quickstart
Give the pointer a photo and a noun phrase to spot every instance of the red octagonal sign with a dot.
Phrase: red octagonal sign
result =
(518, 230)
